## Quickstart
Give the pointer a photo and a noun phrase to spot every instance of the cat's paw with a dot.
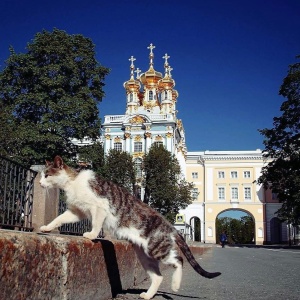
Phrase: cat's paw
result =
(145, 296)
(45, 228)
(175, 286)
(90, 235)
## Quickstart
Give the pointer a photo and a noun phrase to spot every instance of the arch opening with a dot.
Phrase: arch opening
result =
(195, 229)
(238, 224)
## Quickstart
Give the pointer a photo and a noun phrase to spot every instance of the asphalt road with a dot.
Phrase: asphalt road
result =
(247, 273)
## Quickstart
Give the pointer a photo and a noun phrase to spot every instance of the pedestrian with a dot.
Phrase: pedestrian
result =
(223, 239)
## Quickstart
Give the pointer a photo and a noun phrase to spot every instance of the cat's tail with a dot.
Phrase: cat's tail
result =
(191, 259)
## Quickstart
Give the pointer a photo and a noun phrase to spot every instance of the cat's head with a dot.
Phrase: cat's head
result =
(56, 174)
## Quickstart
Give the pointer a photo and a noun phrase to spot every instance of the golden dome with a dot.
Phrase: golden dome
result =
(166, 83)
(151, 77)
(132, 85)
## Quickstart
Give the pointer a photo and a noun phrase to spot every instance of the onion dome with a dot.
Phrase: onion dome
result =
(132, 85)
(151, 77)
(166, 83)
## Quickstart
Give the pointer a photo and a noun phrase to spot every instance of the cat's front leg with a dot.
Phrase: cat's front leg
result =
(98, 216)
(67, 217)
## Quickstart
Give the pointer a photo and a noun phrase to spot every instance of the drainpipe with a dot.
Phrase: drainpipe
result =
(204, 197)
(265, 218)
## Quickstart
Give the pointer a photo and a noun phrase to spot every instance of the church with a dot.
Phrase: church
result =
(223, 180)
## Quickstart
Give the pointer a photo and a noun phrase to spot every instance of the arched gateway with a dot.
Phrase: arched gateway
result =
(239, 226)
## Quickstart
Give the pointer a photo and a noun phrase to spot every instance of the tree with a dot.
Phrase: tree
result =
(49, 95)
(164, 190)
(282, 144)
(93, 155)
(119, 168)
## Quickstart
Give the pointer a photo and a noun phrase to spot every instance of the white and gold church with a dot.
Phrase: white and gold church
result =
(223, 180)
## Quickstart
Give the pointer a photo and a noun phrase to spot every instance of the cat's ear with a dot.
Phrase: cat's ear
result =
(48, 163)
(58, 162)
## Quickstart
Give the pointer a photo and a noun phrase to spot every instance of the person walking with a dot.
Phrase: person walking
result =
(223, 239)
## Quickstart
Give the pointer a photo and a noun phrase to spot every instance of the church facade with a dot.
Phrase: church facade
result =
(223, 180)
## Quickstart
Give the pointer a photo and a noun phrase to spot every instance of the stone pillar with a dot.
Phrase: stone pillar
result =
(148, 141)
(45, 203)
(127, 141)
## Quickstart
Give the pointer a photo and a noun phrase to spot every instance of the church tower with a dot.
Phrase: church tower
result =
(150, 115)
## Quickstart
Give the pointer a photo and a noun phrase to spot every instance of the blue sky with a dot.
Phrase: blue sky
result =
(228, 57)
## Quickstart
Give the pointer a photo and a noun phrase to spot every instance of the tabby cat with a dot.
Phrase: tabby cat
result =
(109, 206)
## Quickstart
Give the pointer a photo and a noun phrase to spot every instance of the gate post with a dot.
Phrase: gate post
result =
(45, 202)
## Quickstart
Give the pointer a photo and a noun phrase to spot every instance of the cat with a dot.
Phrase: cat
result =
(112, 207)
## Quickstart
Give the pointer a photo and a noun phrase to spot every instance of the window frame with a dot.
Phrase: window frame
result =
(234, 174)
(248, 174)
(222, 193)
(195, 175)
(137, 147)
(221, 174)
(118, 146)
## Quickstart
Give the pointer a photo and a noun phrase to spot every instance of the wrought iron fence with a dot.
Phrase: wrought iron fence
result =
(16, 195)
(77, 228)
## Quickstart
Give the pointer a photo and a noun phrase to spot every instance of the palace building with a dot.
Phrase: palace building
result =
(224, 180)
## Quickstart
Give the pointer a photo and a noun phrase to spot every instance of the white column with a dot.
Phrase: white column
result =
(148, 141)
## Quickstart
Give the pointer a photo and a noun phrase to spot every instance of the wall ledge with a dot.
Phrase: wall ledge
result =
(45, 266)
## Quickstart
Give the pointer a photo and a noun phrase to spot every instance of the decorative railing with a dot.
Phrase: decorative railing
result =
(77, 228)
(16, 195)
(121, 118)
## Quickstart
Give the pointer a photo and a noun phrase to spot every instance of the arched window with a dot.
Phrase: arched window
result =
(131, 97)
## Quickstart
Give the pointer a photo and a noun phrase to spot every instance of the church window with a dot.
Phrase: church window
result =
(150, 95)
(138, 146)
(118, 146)
(166, 95)
(131, 97)
(157, 144)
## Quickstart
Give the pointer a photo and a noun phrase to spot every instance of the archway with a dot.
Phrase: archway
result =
(238, 224)
(275, 229)
(196, 229)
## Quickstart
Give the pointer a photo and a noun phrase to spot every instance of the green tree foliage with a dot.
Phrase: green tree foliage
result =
(93, 155)
(282, 144)
(48, 95)
(164, 190)
(119, 168)
(239, 231)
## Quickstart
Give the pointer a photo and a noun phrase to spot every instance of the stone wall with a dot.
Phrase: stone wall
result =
(39, 267)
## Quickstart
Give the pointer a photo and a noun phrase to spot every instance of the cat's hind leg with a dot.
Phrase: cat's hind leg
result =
(177, 262)
(151, 266)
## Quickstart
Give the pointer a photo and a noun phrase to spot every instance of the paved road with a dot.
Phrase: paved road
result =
(247, 273)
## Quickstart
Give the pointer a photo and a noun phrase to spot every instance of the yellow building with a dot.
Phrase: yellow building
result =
(225, 180)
